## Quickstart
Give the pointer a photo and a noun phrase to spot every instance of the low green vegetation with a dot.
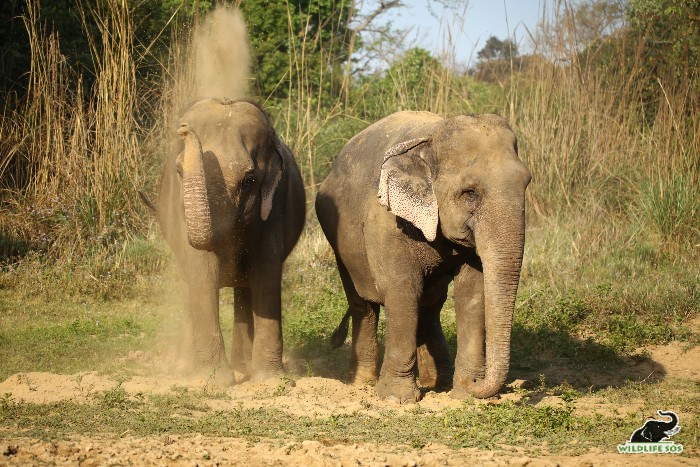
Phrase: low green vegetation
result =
(535, 430)
(575, 339)
(485, 426)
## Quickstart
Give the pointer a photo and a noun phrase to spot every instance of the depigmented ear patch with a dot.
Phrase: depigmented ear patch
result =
(414, 201)
(405, 188)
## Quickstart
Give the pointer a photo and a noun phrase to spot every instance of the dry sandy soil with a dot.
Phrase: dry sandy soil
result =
(311, 396)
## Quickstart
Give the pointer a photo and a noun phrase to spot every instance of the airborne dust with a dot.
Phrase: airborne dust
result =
(222, 58)
(215, 65)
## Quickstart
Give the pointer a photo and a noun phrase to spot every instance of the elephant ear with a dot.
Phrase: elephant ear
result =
(273, 177)
(406, 187)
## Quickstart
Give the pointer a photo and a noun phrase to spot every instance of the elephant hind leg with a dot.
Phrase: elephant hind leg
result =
(365, 347)
(433, 356)
(364, 360)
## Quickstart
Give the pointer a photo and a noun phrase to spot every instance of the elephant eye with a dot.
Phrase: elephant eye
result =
(470, 194)
(249, 179)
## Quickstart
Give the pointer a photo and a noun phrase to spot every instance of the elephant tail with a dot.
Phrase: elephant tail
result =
(339, 335)
(149, 204)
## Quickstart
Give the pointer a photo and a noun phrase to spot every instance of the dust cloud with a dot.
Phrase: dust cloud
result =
(212, 63)
(222, 58)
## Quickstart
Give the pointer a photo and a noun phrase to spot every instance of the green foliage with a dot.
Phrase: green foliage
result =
(408, 84)
(116, 399)
(297, 42)
(658, 52)
(669, 31)
(496, 49)
(671, 206)
(597, 19)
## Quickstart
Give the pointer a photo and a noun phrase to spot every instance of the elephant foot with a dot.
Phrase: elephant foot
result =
(402, 390)
(437, 381)
(458, 392)
(240, 377)
(268, 376)
(362, 377)
(221, 376)
(443, 382)
(241, 371)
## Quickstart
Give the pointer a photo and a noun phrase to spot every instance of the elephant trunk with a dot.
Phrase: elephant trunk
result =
(500, 242)
(197, 212)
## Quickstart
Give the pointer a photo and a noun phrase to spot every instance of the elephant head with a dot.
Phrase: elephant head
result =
(464, 182)
(230, 165)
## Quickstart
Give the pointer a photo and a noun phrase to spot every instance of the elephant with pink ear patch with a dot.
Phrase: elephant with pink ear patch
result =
(412, 203)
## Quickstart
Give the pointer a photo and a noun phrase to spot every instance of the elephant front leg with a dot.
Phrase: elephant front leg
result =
(434, 362)
(471, 327)
(242, 342)
(207, 341)
(267, 323)
(397, 380)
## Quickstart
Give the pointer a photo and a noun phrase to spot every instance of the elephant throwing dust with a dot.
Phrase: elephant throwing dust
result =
(231, 207)
(411, 203)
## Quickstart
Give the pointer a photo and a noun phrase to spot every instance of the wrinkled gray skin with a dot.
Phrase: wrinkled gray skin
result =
(231, 206)
(411, 203)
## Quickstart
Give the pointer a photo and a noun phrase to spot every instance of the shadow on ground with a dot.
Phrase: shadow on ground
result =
(544, 357)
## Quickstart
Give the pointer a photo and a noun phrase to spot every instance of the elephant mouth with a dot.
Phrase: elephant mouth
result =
(465, 239)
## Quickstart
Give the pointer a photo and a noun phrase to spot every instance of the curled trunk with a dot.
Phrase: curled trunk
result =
(197, 212)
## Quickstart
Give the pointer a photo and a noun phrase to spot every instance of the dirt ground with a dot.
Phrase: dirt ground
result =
(205, 451)
(311, 397)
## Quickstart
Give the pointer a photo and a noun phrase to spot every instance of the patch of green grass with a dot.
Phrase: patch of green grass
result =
(484, 426)
(591, 301)
(123, 269)
(71, 337)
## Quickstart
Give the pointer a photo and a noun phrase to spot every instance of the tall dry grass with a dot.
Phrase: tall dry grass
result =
(588, 138)
(72, 158)
(74, 161)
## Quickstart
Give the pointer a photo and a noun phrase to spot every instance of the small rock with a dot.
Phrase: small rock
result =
(522, 384)
(11, 451)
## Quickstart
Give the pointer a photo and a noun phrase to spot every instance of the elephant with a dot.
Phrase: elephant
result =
(411, 203)
(231, 206)
(654, 431)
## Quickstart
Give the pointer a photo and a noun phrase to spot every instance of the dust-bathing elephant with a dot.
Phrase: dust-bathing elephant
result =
(654, 431)
(231, 206)
(411, 203)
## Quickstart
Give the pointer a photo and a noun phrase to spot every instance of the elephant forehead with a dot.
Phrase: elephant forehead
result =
(242, 117)
(468, 147)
